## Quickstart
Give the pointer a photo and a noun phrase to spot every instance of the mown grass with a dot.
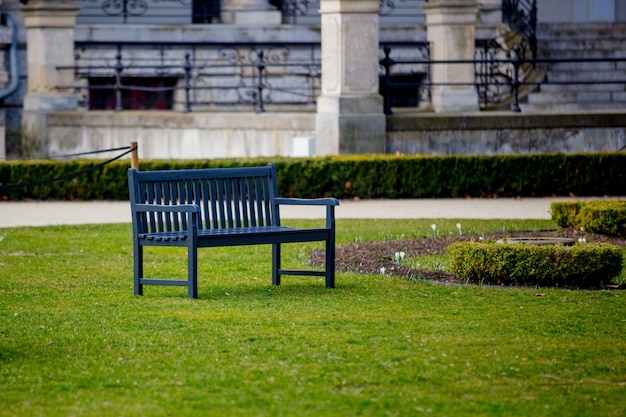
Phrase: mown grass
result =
(74, 341)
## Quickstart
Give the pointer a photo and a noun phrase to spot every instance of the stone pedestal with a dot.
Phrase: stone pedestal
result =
(50, 44)
(250, 12)
(451, 31)
(489, 21)
(350, 115)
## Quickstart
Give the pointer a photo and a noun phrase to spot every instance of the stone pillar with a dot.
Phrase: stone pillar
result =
(50, 44)
(450, 26)
(350, 116)
(489, 21)
(250, 12)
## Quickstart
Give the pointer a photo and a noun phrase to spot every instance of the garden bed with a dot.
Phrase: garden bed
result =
(370, 257)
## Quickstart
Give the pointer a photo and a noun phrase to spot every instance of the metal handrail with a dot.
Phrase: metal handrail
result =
(257, 81)
(515, 82)
(251, 73)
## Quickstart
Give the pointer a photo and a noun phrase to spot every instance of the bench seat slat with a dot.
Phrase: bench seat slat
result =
(238, 236)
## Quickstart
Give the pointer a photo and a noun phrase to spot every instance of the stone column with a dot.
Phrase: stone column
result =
(450, 26)
(250, 12)
(489, 21)
(50, 44)
(350, 116)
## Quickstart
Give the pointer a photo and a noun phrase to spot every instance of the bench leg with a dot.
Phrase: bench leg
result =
(138, 267)
(330, 263)
(275, 263)
(192, 271)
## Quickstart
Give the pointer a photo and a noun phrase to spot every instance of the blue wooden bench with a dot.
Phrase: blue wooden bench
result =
(201, 208)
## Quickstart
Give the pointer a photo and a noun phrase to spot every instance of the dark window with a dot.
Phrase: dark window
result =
(405, 89)
(205, 11)
(139, 93)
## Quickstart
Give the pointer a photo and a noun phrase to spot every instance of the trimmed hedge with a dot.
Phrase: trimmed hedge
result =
(590, 265)
(598, 216)
(354, 176)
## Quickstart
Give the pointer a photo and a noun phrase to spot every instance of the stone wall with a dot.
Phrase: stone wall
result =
(507, 133)
(163, 135)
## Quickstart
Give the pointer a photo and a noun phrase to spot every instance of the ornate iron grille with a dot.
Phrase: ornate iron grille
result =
(521, 16)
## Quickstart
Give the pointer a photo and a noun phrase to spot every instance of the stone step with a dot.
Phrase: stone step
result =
(579, 30)
(583, 66)
(595, 40)
(582, 44)
(548, 52)
(619, 96)
(575, 88)
(581, 36)
(581, 97)
(540, 108)
(553, 98)
(586, 76)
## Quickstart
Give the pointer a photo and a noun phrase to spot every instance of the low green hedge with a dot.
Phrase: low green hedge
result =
(582, 265)
(597, 216)
(354, 176)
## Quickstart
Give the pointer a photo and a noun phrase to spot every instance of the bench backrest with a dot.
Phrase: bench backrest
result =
(227, 197)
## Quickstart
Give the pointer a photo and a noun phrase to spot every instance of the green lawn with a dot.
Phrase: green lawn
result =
(74, 341)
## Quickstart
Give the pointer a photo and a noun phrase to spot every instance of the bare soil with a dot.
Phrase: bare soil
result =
(370, 257)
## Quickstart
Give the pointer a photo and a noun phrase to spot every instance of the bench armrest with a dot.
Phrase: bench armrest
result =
(327, 201)
(159, 215)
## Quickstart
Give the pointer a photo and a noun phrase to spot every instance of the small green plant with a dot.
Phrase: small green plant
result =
(433, 262)
(399, 257)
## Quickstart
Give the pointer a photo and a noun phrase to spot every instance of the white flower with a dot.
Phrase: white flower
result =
(458, 226)
(382, 270)
(399, 257)
(434, 227)
(582, 240)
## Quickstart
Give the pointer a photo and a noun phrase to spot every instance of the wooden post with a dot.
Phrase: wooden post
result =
(134, 156)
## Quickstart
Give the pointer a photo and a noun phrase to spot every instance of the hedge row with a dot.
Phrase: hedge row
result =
(598, 216)
(582, 265)
(353, 176)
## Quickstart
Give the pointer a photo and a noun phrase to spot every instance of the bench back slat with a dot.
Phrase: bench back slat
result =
(227, 197)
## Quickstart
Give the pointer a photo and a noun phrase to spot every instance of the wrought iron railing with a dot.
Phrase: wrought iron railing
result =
(196, 76)
(521, 16)
(503, 78)
(199, 76)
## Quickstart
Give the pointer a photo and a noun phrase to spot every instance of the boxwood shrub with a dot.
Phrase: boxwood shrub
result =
(581, 265)
(350, 176)
(597, 216)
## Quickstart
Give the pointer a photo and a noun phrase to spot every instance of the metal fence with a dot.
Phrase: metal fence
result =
(499, 77)
(196, 76)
